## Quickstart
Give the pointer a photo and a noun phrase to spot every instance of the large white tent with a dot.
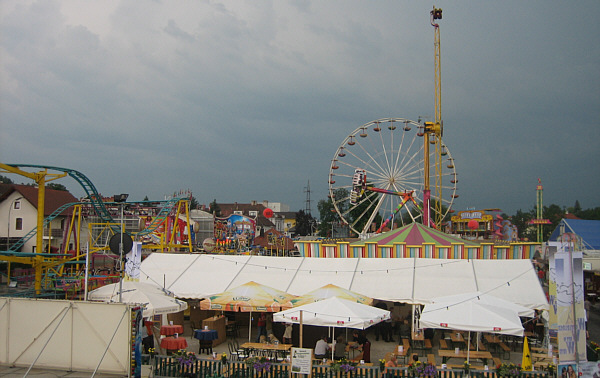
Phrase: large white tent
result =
(414, 280)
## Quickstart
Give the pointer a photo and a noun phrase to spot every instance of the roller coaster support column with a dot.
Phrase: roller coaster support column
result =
(40, 179)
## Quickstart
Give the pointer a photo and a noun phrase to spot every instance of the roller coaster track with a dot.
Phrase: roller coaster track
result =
(89, 188)
(96, 202)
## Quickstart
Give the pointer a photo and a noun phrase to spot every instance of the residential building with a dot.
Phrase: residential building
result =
(18, 216)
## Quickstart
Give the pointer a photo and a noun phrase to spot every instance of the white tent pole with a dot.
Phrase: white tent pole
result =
(468, 346)
(332, 341)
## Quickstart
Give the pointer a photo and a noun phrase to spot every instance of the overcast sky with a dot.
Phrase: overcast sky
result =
(249, 100)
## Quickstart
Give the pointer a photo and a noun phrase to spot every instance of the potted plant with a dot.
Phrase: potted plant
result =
(184, 360)
(419, 369)
(343, 366)
(466, 367)
(508, 370)
(260, 364)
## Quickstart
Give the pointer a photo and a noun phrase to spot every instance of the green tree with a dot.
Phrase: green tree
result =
(5, 180)
(304, 223)
(521, 221)
(590, 214)
(56, 186)
(194, 203)
(214, 208)
(554, 214)
(327, 213)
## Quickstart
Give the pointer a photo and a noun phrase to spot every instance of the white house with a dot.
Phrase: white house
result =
(18, 216)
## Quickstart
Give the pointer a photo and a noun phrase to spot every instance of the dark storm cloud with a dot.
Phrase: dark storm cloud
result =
(249, 100)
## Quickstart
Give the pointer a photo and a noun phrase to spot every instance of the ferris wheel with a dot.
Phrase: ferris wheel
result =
(376, 177)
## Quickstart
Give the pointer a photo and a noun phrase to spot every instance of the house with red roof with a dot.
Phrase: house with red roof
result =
(18, 216)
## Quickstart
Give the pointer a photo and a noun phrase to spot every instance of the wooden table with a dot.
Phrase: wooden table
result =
(269, 347)
(170, 330)
(418, 339)
(351, 346)
(540, 357)
(402, 354)
(492, 339)
(462, 354)
(457, 337)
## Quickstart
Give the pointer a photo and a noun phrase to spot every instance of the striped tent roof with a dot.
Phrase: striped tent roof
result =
(415, 234)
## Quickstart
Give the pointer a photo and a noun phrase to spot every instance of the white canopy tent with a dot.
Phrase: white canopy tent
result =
(475, 312)
(334, 312)
(415, 280)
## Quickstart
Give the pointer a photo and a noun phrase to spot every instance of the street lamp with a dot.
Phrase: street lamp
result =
(121, 198)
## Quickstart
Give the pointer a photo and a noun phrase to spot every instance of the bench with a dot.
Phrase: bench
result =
(497, 361)
(443, 344)
(481, 347)
(506, 350)
(427, 344)
(431, 358)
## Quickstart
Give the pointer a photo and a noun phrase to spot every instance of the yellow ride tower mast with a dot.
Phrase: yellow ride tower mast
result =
(433, 132)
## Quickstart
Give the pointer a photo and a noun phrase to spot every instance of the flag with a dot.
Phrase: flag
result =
(526, 362)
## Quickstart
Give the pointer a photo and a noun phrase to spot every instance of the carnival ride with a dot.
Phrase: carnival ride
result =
(101, 223)
(381, 167)
(377, 174)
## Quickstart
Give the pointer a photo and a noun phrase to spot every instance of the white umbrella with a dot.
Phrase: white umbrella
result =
(333, 312)
(475, 312)
(155, 299)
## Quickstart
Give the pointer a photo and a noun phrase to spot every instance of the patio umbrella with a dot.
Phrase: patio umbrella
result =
(249, 297)
(155, 299)
(333, 312)
(475, 312)
(329, 291)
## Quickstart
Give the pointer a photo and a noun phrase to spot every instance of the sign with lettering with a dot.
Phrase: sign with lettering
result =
(301, 361)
